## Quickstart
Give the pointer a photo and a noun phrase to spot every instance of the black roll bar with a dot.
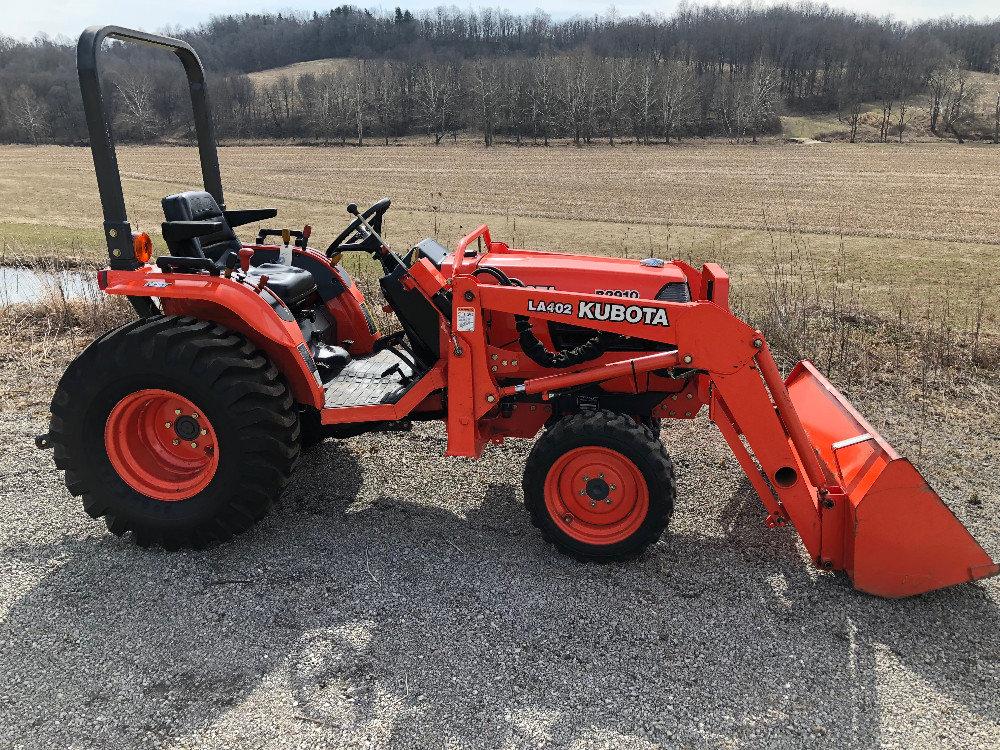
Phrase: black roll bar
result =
(117, 231)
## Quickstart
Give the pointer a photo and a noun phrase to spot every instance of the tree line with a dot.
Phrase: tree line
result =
(719, 70)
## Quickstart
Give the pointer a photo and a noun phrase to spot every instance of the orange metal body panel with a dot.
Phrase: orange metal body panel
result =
(898, 537)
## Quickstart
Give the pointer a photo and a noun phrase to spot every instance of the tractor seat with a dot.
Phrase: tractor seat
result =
(197, 205)
(292, 285)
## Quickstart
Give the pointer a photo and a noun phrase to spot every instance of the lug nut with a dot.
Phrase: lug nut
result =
(593, 503)
(176, 441)
(204, 432)
(612, 488)
(608, 501)
(166, 425)
(177, 411)
(194, 445)
(195, 415)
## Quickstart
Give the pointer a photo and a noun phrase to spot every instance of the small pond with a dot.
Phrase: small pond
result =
(19, 284)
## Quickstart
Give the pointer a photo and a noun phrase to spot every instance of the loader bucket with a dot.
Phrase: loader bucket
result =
(899, 538)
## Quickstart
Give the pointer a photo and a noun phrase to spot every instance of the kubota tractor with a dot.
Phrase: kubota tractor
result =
(183, 426)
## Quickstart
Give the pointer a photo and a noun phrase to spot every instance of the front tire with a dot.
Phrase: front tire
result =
(599, 486)
(176, 430)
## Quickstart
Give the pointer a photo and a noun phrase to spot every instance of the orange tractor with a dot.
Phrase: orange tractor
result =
(183, 426)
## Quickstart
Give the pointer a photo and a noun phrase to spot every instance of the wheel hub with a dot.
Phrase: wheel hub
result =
(598, 489)
(596, 495)
(161, 445)
(187, 428)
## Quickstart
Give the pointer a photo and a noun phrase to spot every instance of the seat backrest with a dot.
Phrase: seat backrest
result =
(197, 205)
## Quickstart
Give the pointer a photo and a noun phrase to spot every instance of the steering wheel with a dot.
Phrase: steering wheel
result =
(355, 237)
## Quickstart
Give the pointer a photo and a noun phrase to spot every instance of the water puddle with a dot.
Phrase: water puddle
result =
(18, 284)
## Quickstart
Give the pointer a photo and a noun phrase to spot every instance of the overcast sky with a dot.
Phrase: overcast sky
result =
(26, 18)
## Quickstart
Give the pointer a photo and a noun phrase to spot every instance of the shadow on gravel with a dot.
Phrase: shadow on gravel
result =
(412, 626)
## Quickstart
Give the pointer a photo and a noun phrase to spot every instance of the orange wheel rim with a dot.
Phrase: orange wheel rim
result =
(596, 495)
(161, 445)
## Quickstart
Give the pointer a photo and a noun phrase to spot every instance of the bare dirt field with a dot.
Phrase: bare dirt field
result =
(863, 215)
(398, 599)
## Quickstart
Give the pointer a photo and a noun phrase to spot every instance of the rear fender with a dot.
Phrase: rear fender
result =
(233, 305)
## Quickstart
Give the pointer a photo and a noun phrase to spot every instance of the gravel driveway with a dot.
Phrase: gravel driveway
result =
(396, 598)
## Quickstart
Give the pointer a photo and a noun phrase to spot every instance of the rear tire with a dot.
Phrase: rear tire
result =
(599, 486)
(185, 481)
(653, 424)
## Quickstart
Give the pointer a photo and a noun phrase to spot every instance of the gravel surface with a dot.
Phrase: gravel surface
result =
(396, 598)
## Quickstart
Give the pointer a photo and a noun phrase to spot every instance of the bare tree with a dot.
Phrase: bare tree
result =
(543, 96)
(761, 96)
(995, 69)
(136, 90)
(284, 89)
(29, 113)
(677, 96)
(575, 82)
(615, 74)
(437, 92)
(514, 95)
(748, 101)
(850, 107)
(903, 123)
(359, 98)
(940, 82)
(385, 93)
(959, 107)
(485, 79)
(642, 96)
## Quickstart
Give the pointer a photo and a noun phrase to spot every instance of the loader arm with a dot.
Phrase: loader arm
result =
(810, 456)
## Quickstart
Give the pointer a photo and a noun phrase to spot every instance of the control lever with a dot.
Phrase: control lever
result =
(246, 254)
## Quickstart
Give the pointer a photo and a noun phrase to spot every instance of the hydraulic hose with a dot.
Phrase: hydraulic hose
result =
(535, 350)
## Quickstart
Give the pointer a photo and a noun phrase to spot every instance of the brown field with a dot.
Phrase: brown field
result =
(900, 225)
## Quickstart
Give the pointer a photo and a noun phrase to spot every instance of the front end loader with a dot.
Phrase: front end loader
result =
(182, 427)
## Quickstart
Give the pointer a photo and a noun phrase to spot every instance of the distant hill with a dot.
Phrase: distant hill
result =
(985, 88)
(314, 67)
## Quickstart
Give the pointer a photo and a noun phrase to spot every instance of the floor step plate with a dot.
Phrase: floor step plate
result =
(382, 378)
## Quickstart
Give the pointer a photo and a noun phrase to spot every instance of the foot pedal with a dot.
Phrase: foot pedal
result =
(330, 361)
